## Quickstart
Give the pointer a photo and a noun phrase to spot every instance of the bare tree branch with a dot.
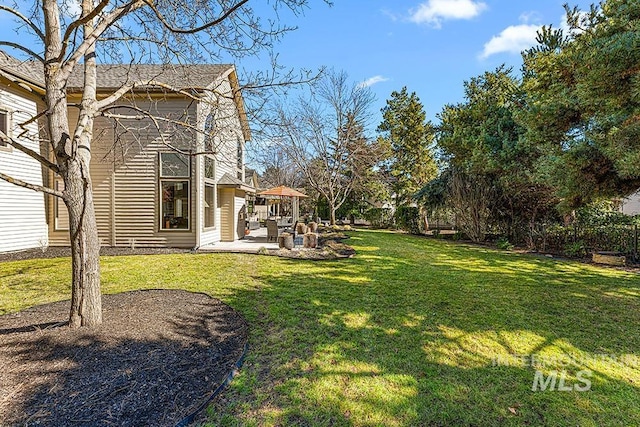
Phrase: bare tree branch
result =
(209, 24)
(90, 39)
(75, 25)
(43, 160)
(34, 187)
(24, 19)
(22, 48)
(156, 122)
(105, 102)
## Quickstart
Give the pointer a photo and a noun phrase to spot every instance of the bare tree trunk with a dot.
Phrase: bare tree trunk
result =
(86, 299)
(73, 155)
(332, 218)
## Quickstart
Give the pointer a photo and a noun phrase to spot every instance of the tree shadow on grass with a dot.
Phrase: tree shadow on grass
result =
(156, 358)
(429, 334)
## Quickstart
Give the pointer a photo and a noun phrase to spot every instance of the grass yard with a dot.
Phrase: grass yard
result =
(407, 333)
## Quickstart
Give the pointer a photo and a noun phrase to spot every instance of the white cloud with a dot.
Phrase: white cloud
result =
(373, 80)
(513, 39)
(73, 8)
(433, 12)
(564, 25)
(531, 16)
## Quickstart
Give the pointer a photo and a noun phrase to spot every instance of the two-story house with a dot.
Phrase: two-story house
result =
(150, 187)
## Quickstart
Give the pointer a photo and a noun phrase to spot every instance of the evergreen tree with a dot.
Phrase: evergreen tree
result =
(583, 102)
(409, 136)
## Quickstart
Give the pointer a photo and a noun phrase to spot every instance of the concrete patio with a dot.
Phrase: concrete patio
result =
(250, 244)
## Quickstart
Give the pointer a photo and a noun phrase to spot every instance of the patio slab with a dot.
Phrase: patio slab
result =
(251, 244)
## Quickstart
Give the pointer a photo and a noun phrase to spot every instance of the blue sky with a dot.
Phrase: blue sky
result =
(430, 46)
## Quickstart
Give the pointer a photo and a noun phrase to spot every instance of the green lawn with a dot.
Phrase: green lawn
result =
(405, 334)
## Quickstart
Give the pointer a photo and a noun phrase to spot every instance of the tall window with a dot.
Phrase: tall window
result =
(4, 126)
(240, 164)
(175, 198)
(209, 127)
(209, 192)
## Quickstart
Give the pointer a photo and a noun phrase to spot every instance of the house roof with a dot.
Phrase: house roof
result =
(114, 76)
(27, 71)
(230, 181)
(196, 77)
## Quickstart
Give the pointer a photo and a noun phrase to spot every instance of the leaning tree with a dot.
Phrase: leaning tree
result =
(61, 36)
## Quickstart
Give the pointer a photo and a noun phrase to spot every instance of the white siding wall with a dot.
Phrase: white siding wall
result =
(228, 130)
(22, 212)
(240, 202)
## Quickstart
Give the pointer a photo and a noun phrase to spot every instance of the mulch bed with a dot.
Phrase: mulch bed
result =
(57, 252)
(157, 357)
(330, 246)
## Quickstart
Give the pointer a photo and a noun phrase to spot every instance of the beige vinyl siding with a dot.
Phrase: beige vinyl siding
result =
(126, 179)
(22, 211)
(126, 182)
(137, 194)
(226, 207)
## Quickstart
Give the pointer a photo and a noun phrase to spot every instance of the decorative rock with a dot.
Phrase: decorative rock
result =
(310, 240)
(285, 240)
(301, 228)
(609, 258)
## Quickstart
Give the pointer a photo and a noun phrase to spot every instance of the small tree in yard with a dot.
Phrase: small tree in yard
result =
(139, 31)
(324, 135)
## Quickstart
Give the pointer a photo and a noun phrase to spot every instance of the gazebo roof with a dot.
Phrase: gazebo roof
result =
(282, 191)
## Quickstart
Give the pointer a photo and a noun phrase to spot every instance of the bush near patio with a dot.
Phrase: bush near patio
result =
(404, 334)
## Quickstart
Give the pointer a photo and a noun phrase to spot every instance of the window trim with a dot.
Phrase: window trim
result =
(212, 183)
(213, 207)
(8, 121)
(179, 177)
(160, 212)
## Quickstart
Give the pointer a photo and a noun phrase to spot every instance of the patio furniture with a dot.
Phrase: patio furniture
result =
(272, 231)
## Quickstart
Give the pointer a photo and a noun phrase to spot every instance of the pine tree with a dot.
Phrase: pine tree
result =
(409, 136)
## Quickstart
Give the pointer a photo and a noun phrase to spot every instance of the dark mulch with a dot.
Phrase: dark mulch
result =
(57, 252)
(158, 355)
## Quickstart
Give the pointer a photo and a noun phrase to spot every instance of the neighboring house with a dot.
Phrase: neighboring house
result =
(145, 193)
(631, 205)
(257, 206)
